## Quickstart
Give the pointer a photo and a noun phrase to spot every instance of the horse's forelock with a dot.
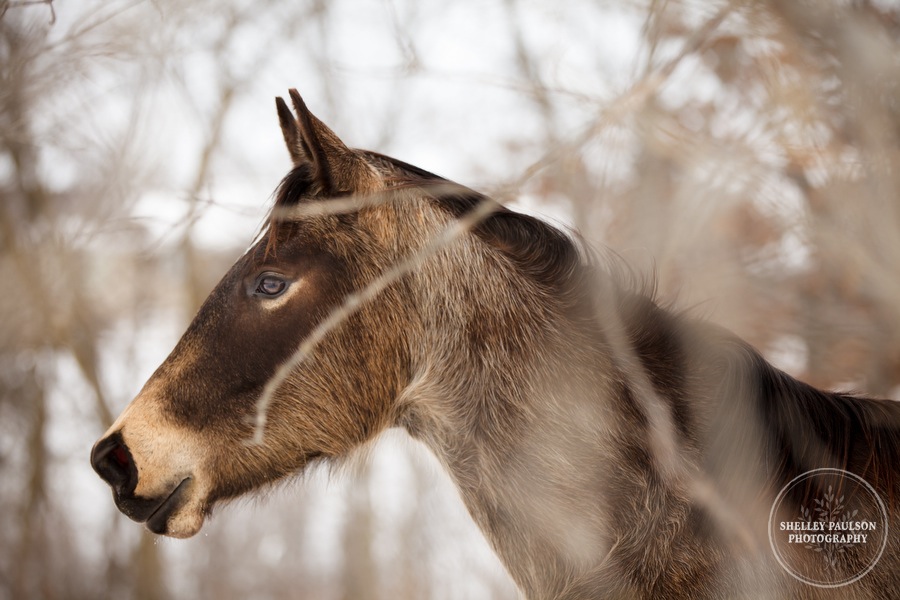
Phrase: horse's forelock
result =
(296, 185)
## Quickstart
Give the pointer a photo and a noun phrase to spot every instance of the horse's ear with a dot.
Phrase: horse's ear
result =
(293, 141)
(310, 141)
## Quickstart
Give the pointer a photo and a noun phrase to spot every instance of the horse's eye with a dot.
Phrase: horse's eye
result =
(271, 286)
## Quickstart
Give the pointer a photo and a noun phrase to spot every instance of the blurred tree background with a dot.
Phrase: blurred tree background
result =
(745, 151)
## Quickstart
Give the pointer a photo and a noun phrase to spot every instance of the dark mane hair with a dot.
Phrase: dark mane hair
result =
(290, 190)
(810, 428)
(760, 413)
(555, 257)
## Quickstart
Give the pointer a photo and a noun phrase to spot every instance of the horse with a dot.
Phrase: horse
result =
(606, 445)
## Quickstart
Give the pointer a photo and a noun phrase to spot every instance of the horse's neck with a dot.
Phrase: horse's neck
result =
(545, 435)
(532, 479)
(531, 428)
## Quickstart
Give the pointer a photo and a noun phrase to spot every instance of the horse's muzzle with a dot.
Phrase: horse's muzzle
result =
(114, 464)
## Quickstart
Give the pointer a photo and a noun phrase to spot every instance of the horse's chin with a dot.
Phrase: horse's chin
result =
(182, 514)
(183, 525)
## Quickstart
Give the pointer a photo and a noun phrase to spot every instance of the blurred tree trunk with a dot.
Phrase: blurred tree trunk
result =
(27, 579)
(44, 262)
(149, 579)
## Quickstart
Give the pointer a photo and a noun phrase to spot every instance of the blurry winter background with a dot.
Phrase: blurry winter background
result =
(747, 151)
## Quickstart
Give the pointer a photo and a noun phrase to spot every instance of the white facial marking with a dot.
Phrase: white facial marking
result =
(271, 304)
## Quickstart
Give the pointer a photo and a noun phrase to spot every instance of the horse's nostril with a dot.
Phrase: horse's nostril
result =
(121, 456)
(113, 463)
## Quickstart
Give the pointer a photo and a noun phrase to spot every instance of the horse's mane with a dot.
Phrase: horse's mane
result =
(811, 428)
(554, 257)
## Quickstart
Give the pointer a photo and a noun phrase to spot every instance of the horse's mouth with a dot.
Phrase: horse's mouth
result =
(157, 522)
